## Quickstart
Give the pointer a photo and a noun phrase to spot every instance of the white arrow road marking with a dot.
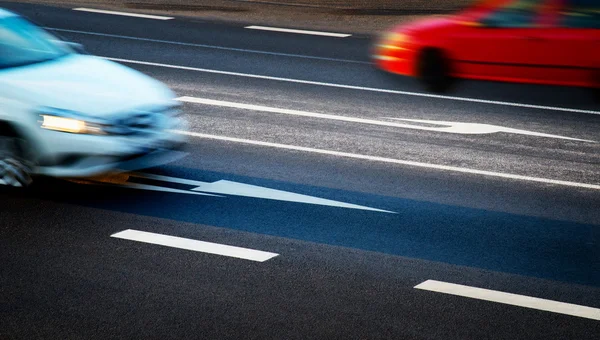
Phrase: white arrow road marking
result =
(224, 187)
(123, 182)
(247, 190)
(477, 129)
(164, 189)
(194, 245)
(449, 127)
(511, 299)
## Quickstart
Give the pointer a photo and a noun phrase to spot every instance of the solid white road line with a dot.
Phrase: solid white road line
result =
(511, 299)
(260, 108)
(194, 245)
(127, 14)
(448, 127)
(394, 161)
(288, 30)
(351, 87)
(289, 55)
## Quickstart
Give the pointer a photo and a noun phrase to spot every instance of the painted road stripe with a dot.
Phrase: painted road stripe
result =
(447, 127)
(194, 245)
(261, 108)
(351, 87)
(511, 299)
(127, 14)
(393, 161)
(288, 30)
(232, 49)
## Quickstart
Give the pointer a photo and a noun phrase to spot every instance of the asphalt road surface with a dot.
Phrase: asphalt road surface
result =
(312, 205)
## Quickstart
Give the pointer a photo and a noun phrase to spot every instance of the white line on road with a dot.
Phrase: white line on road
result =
(289, 55)
(351, 87)
(288, 30)
(448, 127)
(394, 161)
(511, 299)
(127, 14)
(252, 107)
(194, 245)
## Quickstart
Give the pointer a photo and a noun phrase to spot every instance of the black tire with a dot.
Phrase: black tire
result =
(15, 170)
(596, 88)
(434, 71)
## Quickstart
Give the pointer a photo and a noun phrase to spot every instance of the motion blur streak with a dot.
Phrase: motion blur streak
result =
(65, 113)
(550, 42)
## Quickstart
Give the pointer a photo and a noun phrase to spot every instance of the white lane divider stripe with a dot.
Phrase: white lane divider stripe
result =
(447, 127)
(194, 245)
(214, 47)
(261, 108)
(510, 299)
(289, 30)
(394, 161)
(127, 14)
(352, 87)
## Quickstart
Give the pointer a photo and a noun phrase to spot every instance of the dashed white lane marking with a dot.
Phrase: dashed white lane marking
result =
(351, 87)
(223, 48)
(511, 299)
(194, 245)
(127, 14)
(394, 161)
(448, 127)
(288, 30)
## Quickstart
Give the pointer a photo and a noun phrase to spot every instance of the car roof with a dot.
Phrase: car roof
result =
(5, 14)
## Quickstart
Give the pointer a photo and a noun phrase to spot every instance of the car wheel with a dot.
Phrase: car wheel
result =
(434, 71)
(14, 169)
(596, 88)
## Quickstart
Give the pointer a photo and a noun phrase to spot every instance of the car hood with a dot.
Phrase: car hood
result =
(85, 84)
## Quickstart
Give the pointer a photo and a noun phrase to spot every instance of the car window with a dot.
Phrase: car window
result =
(22, 43)
(520, 13)
(581, 14)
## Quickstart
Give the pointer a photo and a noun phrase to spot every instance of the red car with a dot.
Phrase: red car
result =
(554, 42)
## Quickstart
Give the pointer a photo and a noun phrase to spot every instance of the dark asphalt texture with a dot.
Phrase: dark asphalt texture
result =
(341, 273)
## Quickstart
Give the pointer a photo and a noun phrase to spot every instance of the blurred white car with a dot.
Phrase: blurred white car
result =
(67, 114)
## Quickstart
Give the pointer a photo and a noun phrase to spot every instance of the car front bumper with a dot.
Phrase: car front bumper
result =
(72, 155)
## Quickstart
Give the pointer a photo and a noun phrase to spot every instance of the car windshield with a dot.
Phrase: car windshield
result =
(23, 43)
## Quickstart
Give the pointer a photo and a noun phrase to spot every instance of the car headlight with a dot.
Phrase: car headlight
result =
(66, 121)
(394, 41)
